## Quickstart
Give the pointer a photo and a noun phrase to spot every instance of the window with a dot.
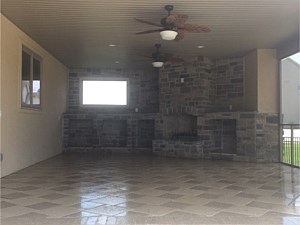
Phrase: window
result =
(31, 80)
(104, 92)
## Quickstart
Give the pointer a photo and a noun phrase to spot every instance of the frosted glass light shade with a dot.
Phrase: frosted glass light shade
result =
(168, 35)
(157, 64)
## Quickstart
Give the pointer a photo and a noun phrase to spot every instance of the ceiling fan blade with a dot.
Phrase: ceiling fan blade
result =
(178, 19)
(176, 60)
(167, 56)
(180, 35)
(145, 56)
(149, 31)
(171, 58)
(148, 22)
(195, 28)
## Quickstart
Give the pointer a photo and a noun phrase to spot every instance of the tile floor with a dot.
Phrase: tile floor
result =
(93, 189)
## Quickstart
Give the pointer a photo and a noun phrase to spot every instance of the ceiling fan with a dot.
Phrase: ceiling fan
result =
(174, 26)
(158, 58)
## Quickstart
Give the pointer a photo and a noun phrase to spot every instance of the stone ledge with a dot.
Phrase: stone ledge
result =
(176, 148)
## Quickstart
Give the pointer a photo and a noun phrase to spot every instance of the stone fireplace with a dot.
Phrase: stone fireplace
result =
(202, 108)
(241, 136)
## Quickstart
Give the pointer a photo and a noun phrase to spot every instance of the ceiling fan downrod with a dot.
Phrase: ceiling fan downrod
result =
(169, 8)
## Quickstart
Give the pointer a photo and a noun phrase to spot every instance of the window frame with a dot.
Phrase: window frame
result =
(102, 79)
(33, 56)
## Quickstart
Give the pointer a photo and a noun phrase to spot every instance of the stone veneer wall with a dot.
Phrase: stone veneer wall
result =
(117, 128)
(143, 89)
(208, 86)
(257, 138)
(101, 132)
(267, 136)
(194, 95)
(229, 84)
(257, 135)
(177, 148)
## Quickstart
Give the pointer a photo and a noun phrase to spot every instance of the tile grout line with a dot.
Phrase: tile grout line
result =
(294, 199)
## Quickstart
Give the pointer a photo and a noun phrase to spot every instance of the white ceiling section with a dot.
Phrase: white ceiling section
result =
(78, 32)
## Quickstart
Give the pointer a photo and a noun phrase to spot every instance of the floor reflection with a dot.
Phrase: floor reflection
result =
(127, 189)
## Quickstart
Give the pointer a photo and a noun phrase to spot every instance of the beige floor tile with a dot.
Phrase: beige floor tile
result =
(188, 191)
(14, 195)
(80, 214)
(70, 200)
(167, 188)
(59, 211)
(132, 214)
(87, 205)
(176, 205)
(136, 189)
(224, 191)
(170, 196)
(218, 205)
(131, 205)
(53, 196)
(132, 196)
(152, 200)
(14, 211)
(154, 210)
(110, 200)
(6, 191)
(201, 210)
(260, 192)
(5, 204)
(201, 188)
(29, 200)
(209, 196)
(235, 218)
(246, 210)
(107, 210)
(193, 200)
(247, 195)
(262, 205)
(151, 192)
(286, 209)
(235, 187)
(235, 200)
(42, 205)
(270, 199)
(26, 188)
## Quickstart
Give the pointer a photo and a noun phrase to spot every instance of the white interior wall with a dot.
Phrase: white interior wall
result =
(28, 136)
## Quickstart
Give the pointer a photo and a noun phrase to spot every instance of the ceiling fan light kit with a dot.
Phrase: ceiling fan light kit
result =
(168, 35)
(157, 64)
(159, 59)
(173, 26)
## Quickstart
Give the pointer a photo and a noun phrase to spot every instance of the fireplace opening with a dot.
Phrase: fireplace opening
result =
(224, 136)
(181, 127)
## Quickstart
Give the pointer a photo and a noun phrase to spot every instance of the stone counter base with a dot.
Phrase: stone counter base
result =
(181, 149)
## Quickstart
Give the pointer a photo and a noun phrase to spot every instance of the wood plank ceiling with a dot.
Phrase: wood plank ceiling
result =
(78, 32)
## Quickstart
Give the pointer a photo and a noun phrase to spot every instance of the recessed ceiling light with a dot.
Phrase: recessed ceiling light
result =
(117, 62)
(112, 45)
(200, 46)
